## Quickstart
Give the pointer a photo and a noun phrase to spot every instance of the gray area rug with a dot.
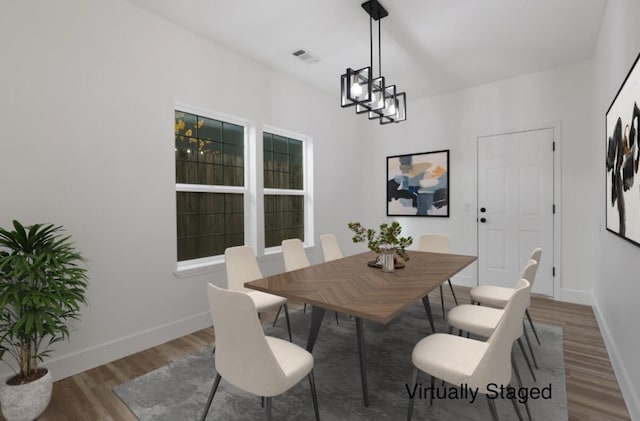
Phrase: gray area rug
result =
(179, 391)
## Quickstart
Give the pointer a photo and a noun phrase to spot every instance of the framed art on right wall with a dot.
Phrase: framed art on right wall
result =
(622, 159)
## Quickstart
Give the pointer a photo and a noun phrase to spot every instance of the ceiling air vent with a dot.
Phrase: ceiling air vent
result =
(305, 56)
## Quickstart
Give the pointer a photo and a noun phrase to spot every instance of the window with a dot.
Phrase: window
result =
(284, 188)
(223, 183)
(210, 185)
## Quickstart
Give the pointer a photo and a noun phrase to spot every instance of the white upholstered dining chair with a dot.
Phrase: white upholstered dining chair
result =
(477, 364)
(294, 256)
(330, 247)
(330, 251)
(245, 357)
(242, 266)
(437, 243)
(483, 321)
(496, 296)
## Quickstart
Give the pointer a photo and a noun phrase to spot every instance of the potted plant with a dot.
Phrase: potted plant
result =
(41, 290)
(386, 242)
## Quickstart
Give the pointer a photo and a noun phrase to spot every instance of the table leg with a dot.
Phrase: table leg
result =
(317, 314)
(427, 308)
(363, 367)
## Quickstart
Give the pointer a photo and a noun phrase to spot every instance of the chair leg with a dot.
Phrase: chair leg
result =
(515, 406)
(213, 351)
(526, 406)
(304, 309)
(532, 326)
(261, 401)
(526, 336)
(526, 359)
(269, 408)
(286, 315)
(517, 373)
(414, 382)
(442, 301)
(492, 408)
(314, 396)
(337, 321)
(277, 314)
(216, 382)
(453, 292)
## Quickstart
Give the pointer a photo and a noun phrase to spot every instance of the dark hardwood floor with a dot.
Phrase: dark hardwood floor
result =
(592, 389)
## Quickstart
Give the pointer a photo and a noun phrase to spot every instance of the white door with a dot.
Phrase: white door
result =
(515, 207)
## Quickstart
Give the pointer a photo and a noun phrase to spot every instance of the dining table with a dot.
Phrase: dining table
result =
(355, 285)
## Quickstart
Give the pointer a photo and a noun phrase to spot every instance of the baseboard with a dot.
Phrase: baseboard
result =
(630, 395)
(576, 296)
(77, 362)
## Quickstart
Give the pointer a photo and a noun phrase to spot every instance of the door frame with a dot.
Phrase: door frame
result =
(556, 128)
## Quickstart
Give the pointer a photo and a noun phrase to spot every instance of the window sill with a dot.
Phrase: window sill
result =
(196, 269)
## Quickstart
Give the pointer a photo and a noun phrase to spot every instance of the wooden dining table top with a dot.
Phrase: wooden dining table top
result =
(348, 285)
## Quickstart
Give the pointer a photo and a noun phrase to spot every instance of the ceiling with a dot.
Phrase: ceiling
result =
(428, 46)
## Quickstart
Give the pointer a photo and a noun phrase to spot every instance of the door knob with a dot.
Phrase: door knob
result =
(483, 220)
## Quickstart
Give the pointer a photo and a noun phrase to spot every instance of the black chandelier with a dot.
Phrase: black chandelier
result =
(368, 94)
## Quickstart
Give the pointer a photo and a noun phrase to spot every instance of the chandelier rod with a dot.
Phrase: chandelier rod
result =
(371, 44)
(379, 51)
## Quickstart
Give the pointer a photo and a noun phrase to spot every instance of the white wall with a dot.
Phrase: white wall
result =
(455, 120)
(88, 90)
(616, 288)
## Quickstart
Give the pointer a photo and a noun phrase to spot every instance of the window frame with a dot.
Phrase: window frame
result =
(307, 186)
(253, 190)
(195, 266)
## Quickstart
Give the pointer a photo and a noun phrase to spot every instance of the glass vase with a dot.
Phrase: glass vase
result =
(388, 264)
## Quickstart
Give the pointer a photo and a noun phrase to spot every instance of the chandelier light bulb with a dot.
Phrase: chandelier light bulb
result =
(356, 89)
(379, 99)
(390, 107)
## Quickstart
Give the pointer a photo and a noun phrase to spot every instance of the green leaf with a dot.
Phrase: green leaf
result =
(41, 289)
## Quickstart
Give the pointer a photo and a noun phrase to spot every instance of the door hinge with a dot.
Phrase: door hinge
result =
(553, 145)
(554, 271)
(554, 208)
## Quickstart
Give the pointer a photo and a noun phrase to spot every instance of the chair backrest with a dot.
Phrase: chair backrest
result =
(330, 247)
(242, 266)
(243, 356)
(529, 274)
(536, 255)
(294, 255)
(529, 270)
(435, 243)
(495, 365)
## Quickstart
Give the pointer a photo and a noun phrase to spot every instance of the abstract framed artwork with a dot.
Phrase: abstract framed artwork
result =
(418, 184)
(622, 158)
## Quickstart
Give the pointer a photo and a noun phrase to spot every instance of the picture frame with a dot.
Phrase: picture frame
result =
(622, 156)
(418, 184)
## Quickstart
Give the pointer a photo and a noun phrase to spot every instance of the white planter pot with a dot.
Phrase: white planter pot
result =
(25, 402)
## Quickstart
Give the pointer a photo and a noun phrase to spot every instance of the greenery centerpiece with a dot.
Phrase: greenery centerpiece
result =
(41, 289)
(387, 238)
